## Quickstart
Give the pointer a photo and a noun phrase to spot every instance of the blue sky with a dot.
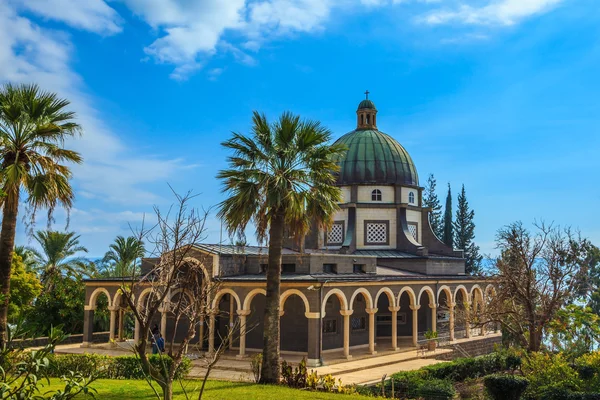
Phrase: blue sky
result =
(501, 95)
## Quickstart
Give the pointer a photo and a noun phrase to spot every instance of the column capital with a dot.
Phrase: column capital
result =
(89, 308)
(433, 305)
(346, 313)
(394, 309)
(281, 313)
(371, 310)
(451, 305)
(415, 307)
(114, 309)
(243, 313)
(312, 315)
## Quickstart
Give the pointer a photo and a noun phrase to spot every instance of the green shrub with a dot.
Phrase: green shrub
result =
(549, 373)
(436, 389)
(104, 367)
(505, 387)
(566, 394)
(466, 368)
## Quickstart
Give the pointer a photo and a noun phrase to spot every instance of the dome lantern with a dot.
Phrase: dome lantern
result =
(366, 114)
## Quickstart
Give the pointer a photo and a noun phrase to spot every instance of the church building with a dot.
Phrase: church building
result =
(377, 280)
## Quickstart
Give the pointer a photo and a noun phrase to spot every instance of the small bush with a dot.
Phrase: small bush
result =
(104, 367)
(549, 374)
(505, 387)
(436, 389)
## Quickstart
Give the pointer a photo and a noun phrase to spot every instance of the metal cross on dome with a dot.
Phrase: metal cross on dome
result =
(367, 94)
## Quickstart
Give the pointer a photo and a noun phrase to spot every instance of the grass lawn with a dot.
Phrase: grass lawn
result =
(137, 389)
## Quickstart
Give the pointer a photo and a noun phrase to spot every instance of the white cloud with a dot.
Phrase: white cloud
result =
(110, 171)
(497, 12)
(91, 15)
(190, 32)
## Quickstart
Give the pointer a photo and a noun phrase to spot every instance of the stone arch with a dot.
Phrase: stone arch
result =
(117, 299)
(249, 297)
(142, 295)
(448, 292)
(291, 292)
(429, 291)
(465, 293)
(365, 293)
(192, 260)
(411, 294)
(476, 290)
(94, 297)
(390, 295)
(222, 292)
(341, 297)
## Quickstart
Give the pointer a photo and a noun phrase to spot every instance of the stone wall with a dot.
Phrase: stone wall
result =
(477, 346)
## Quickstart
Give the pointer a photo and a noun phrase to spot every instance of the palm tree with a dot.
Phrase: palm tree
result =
(58, 256)
(33, 128)
(28, 256)
(281, 175)
(123, 256)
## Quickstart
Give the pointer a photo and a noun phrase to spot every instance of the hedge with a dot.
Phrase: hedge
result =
(505, 387)
(105, 367)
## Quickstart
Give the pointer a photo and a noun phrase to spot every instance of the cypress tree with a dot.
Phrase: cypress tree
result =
(448, 236)
(464, 228)
(431, 200)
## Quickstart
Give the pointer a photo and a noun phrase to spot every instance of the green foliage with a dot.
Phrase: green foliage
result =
(464, 234)
(574, 331)
(436, 389)
(24, 288)
(23, 374)
(448, 236)
(588, 367)
(62, 305)
(431, 200)
(105, 367)
(121, 260)
(431, 335)
(505, 387)
(58, 257)
(256, 364)
(467, 368)
(294, 377)
(547, 373)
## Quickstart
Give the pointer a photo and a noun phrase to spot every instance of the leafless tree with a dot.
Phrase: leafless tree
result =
(178, 284)
(535, 275)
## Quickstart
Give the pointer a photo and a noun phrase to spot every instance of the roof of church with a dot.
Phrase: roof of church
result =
(366, 104)
(374, 157)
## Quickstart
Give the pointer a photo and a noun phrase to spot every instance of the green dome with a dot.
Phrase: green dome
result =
(366, 104)
(374, 157)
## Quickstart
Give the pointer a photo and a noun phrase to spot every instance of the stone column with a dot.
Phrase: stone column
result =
(211, 333)
(163, 324)
(243, 314)
(394, 311)
(451, 322)
(201, 341)
(467, 319)
(415, 324)
(314, 357)
(346, 314)
(372, 312)
(231, 320)
(433, 308)
(88, 326)
(136, 332)
(482, 313)
(120, 328)
(113, 322)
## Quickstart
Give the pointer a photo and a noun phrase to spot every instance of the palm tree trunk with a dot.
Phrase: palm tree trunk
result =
(7, 245)
(270, 365)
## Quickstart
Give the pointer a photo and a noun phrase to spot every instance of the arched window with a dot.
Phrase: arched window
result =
(376, 195)
(411, 198)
